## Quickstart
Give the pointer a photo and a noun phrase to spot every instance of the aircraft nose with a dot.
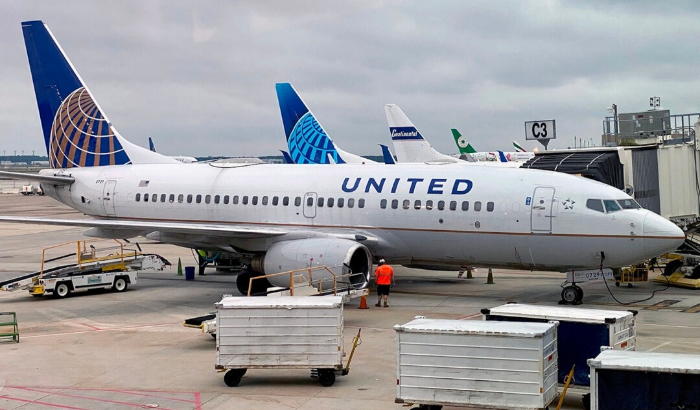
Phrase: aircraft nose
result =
(661, 235)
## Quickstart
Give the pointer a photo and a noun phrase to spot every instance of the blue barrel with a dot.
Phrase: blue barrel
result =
(189, 272)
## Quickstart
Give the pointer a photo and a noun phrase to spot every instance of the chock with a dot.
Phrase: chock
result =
(363, 303)
(489, 279)
(179, 267)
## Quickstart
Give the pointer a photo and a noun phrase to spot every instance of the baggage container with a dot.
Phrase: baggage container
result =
(476, 363)
(287, 332)
(580, 335)
(624, 380)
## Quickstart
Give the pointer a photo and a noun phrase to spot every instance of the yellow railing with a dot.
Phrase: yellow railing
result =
(86, 251)
(299, 273)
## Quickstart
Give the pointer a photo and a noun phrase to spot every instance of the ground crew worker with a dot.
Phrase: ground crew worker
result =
(384, 278)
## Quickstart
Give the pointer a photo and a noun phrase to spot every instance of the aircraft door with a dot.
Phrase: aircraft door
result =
(108, 197)
(310, 204)
(541, 210)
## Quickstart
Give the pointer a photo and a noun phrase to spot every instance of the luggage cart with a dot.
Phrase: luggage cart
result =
(286, 332)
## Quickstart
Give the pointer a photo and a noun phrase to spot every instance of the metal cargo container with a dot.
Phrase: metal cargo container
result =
(580, 335)
(474, 363)
(623, 380)
(281, 332)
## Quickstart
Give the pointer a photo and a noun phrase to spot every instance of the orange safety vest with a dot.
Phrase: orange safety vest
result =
(384, 275)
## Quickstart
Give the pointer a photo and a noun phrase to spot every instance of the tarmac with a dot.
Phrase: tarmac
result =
(106, 350)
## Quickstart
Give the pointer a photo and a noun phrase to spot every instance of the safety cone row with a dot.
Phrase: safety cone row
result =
(489, 279)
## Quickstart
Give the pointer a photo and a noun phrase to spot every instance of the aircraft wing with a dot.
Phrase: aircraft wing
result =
(53, 179)
(137, 227)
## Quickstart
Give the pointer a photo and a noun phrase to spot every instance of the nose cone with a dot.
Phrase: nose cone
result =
(661, 235)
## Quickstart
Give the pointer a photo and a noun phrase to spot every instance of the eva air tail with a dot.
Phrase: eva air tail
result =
(462, 144)
(307, 141)
(76, 131)
(409, 144)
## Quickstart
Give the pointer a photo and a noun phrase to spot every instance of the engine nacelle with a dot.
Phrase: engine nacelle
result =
(348, 260)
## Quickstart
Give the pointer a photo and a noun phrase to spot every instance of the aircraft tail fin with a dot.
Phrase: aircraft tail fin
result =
(386, 153)
(76, 131)
(462, 144)
(151, 146)
(502, 157)
(286, 157)
(307, 141)
(409, 144)
(518, 147)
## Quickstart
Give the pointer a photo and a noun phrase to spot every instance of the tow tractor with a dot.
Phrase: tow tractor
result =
(116, 269)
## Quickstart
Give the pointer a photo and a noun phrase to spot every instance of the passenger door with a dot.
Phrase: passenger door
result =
(310, 204)
(541, 210)
(108, 197)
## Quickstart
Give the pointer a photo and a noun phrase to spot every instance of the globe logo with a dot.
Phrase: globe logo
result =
(309, 144)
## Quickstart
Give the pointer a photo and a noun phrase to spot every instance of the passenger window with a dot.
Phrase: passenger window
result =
(406, 204)
(264, 200)
(207, 199)
(382, 203)
(244, 200)
(180, 198)
(428, 204)
(441, 205)
(503, 207)
(217, 199)
(394, 204)
(189, 198)
(330, 202)
(595, 204)
(611, 205)
(351, 202)
(416, 205)
(138, 197)
(361, 203)
(477, 206)
(225, 199)
(255, 200)
(199, 199)
(285, 201)
(145, 197)
(465, 205)
(171, 198)
(275, 200)
(320, 202)
(297, 201)
(489, 207)
(162, 197)
(341, 202)
(310, 201)
(235, 200)
(453, 205)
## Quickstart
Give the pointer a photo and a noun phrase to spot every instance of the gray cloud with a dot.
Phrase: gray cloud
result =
(199, 76)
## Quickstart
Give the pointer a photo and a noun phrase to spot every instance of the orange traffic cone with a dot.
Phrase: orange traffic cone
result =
(363, 303)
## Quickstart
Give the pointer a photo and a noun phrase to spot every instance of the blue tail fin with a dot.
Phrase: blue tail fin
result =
(502, 157)
(307, 141)
(76, 131)
(151, 146)
(388, 158)
(286, 157)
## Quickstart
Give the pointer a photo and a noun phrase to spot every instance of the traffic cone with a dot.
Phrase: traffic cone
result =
(489, 279)
(363, 303)
(179, 267)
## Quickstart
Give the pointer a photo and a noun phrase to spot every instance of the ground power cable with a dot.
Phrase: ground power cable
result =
(653, 293)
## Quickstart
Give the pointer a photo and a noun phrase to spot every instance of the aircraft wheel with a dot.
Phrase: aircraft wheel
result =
(579, 293)
(326, 377)
(120, 285)
(569, 294)
(62, 290)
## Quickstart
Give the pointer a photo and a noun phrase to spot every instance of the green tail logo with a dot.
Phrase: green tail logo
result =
(462, 144)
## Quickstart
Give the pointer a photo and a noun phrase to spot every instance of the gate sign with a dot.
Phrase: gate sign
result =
(541, 131)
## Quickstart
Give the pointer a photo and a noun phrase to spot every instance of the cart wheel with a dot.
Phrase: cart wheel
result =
(429, 407)
(213, 335)
(120, 284)
(586, 399)
(569, 294)
(61, 290)
(233, 377)
(617, 283)
(326, 377)
(629, 285)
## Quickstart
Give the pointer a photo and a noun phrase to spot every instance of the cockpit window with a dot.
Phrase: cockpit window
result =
(628, 204)
(611, 205)
(595, 204)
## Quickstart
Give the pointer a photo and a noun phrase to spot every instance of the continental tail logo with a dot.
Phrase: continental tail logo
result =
(309, 144)
(405, 133)
(82, 137)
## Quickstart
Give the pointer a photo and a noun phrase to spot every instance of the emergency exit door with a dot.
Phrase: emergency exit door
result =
(310, 204)
(108, 197)
(541, 210)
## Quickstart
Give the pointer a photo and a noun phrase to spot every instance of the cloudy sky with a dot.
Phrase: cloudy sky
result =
(198, 76)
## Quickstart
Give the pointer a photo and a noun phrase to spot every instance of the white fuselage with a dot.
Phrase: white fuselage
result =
(411, 214)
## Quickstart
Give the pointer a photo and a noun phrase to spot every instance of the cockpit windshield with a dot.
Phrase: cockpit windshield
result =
(611, 205)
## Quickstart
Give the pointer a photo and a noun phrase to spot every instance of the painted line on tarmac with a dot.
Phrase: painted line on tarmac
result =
(77, 332)
(131, 392)
(659, 346)
(74, 396)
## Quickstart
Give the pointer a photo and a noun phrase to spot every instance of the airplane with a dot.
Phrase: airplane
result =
(185, 159)
(466, 148)
(285, 217)
(307, 141)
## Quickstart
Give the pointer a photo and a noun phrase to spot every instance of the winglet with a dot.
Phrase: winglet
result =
(386, 153)
(150, 145)
(286, 157)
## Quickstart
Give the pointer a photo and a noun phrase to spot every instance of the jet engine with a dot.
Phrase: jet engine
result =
(348, 260)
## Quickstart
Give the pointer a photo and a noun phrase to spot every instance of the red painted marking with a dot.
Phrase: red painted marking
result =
(470, 316)
(44, 403)
(85, 397)
(197, 401)
(90, 326)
